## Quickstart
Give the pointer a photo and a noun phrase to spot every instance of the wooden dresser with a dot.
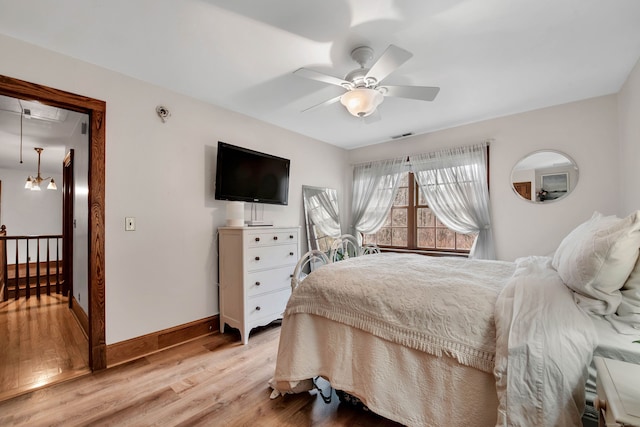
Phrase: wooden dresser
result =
(618, 393)
(255, 265)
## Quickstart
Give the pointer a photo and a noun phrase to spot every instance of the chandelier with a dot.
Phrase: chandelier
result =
(33, 184)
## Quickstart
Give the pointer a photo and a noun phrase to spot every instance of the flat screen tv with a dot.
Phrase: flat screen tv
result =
(250, 176)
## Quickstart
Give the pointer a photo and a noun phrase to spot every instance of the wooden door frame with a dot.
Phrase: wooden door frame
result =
(68, 193)
(523, 188)
(96, 110)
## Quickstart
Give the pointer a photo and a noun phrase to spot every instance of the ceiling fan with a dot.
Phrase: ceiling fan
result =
(364, 91)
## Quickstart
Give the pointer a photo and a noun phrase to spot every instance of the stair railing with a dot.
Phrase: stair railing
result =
(46, 246)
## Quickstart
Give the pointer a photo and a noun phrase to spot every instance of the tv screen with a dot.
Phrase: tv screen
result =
(250, 176)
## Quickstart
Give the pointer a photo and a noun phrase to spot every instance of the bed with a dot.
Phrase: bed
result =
(452, 341)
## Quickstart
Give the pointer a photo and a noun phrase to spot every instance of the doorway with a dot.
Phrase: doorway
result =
(95, 110)
(523, 189)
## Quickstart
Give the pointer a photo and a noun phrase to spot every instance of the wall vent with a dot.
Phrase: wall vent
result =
(404, 135)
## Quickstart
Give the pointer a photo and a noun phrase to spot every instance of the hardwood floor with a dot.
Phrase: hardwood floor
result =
(41, 343)
(210, 381)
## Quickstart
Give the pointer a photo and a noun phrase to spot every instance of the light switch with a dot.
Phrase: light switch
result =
(130, 224)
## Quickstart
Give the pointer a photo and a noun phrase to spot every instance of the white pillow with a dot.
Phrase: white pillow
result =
(629, 310)
(596, 258)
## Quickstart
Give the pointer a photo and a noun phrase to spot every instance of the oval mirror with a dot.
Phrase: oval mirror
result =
(544, 176)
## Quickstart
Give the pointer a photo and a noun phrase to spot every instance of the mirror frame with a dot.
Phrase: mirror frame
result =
(311, 235)
(572, 178)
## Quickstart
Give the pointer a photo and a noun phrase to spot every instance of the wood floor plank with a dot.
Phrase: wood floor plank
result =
(41, 344)
(134, 412)
(232, 374)
(211, 381)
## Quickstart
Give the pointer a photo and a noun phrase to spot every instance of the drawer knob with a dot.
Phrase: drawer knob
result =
(257, 239)
(257, 283)
(291, 236)
(291, 276)
(257, 258)
(258, 308)
(275, 237)
(291, 253)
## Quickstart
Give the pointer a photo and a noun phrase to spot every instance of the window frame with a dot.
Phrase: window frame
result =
(412, 220)
(412, 207)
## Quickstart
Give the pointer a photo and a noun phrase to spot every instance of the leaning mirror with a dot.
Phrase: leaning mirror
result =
(544, 176)
(322, 216)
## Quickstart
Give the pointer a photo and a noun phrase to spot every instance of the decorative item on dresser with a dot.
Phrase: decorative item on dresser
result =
(618, 399)
(256, 265)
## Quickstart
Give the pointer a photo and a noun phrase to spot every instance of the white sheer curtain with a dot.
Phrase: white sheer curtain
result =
(323, 210)
(454, 183)
(374, 187)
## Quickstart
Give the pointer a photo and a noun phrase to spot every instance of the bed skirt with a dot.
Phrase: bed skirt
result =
(399, 383)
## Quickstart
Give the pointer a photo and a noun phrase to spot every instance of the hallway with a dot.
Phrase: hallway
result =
(41, 343)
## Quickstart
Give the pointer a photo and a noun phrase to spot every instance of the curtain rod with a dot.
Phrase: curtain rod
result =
(487, 141)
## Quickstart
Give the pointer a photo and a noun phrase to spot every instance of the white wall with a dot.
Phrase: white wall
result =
(629, 112)
(586, 131)
(30, 212)
(165, 273)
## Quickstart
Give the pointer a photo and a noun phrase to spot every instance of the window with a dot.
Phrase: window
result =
(411, 225)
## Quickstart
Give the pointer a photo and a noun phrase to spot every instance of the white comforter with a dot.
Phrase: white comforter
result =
(435, 305)
(519, 315)
(543, 349)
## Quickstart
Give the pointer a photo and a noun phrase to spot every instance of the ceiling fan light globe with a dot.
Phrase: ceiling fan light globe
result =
(28, 184)
(362, 102)
(52, 185)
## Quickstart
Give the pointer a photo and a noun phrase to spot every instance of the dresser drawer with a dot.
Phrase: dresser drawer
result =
(263, 281)
(267, 307)
(271, 256)
(255, 268)
(265, 238)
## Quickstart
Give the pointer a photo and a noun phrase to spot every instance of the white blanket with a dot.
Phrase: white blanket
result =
(519, 315)
(544, 346)
(435, 305)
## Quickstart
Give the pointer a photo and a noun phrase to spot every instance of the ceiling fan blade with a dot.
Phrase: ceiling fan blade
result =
(321, 77)
(391, 58)
(421, 93)
(322, 104)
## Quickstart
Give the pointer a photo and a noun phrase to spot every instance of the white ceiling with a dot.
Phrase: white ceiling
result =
(490, 58)
(45, 127)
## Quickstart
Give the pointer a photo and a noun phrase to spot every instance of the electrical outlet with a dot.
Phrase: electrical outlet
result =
(130, 224)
